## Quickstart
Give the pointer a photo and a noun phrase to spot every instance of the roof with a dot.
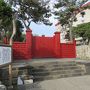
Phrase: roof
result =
(86, 4)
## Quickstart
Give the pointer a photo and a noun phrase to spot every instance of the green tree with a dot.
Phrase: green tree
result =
(5, 18)
(82, 30)
(19, 29)
(67, 15)
(29, 10)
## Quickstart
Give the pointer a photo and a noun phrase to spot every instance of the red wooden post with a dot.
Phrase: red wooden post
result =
(57, 44)
(29, 43)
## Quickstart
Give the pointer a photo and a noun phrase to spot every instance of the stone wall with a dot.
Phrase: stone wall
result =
(83, 52)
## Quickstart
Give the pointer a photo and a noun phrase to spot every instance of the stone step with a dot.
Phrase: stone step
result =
(49, 64)
(53, 68)
(53, 73)
(41, 78)
(44, 64)
(48, 70)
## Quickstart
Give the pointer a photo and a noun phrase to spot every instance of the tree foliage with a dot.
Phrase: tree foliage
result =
(5, 18)
(67, 15)
(69, 10)
(82, 30)
(22, 12)
(31, 10)
(18, 36)
(5, 14)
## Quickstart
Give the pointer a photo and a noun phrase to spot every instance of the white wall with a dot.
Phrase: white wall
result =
(86, 18)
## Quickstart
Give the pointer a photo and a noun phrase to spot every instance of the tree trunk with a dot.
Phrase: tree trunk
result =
(13, 33)
(27, 26)
(71, 36)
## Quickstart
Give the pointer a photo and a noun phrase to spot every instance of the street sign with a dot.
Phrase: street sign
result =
(5, 55)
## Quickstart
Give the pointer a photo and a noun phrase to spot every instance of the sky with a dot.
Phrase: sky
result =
(41, 29)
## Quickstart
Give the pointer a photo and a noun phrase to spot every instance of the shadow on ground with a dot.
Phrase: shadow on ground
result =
(34, 86)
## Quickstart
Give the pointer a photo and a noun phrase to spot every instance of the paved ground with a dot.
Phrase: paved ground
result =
(71, 83)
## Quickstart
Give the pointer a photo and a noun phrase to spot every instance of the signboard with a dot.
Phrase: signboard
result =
(5, 55)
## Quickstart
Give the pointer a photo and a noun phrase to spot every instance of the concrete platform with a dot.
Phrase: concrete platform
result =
(23, 63)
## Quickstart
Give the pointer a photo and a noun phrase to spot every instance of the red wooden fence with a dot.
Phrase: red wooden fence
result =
(43, 47)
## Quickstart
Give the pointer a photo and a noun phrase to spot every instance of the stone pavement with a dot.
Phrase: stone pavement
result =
(71, 83)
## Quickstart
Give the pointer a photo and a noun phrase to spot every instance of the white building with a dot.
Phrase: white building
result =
(80, 19)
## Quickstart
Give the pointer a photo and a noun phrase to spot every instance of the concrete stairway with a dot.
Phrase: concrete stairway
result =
(54, 70)
(44, 70)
